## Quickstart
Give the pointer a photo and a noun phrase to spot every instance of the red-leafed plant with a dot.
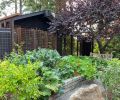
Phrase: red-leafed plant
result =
(94, 19)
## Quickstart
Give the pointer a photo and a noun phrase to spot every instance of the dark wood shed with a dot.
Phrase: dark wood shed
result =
(31, 30)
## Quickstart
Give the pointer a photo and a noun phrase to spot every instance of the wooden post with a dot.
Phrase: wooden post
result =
(55, 43)
(81, 47)
(64, 51)
(92, 45)
(18, 30)
(71, 46)
(35, 39)
(46, 39)
(13, 33)
(59, 44)
(77, 48)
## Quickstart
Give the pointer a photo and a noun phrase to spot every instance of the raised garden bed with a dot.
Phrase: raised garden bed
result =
(69, 87)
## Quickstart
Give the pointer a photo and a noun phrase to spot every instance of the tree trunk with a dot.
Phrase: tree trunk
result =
(20, 6)
(101, 47)
(102, 50)
(16, 6)
(59, 5)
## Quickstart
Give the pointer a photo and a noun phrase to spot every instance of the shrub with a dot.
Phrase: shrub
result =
(27, 82)
(19, 82)
(87, 68)
(99, 63)
(111, 79)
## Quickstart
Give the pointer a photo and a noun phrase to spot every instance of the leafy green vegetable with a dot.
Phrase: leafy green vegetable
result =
(69, 65)
(47, 56)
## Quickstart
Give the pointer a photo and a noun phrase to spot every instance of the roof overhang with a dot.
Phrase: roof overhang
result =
(46, 14)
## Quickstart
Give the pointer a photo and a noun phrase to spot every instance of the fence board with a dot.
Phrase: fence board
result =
(103, 56)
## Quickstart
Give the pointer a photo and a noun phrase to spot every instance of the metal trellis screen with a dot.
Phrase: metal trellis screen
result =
(34, 38)
(5, 41)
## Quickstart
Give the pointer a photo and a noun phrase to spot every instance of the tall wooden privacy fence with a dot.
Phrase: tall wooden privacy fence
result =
(34, 38)
(5, 41)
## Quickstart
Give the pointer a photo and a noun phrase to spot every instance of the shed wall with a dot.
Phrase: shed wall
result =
(34, 38)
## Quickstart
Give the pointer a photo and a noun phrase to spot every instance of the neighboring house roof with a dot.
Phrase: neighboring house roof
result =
(10, 16)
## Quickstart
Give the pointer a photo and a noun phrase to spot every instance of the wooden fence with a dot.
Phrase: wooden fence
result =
(5, 41)
(103, 56)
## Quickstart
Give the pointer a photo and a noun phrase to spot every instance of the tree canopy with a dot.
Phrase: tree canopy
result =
(3, 5)
(32, 5)
(37, 5)
(9, 3)
(98, 19)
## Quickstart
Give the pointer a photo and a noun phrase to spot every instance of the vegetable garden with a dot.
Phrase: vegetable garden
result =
(40, 73)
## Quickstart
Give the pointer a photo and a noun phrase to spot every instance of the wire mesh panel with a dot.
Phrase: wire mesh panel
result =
(28, 39)
(42, 39)
(5, 42)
